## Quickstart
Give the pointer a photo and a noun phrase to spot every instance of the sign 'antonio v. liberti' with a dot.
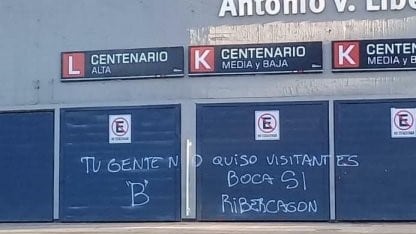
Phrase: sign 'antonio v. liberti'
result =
(294, 7)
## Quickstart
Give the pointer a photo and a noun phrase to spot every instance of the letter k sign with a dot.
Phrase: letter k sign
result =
(73, 65)
(201, 59)
(346, 54)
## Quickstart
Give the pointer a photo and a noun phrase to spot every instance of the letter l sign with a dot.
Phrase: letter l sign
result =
(71, 69)
(73, 65)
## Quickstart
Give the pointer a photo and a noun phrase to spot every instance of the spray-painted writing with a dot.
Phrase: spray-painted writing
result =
(138, 194)
(241, 205)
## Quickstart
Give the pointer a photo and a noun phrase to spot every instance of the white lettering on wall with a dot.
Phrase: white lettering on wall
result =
(240, 172)
(239, 8)
(270, 7)
(260, 205)
(138, 195)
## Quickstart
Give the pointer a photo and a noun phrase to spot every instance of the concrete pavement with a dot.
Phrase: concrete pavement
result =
(213, 228)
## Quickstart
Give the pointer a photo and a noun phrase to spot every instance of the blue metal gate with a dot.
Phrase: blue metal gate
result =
(120, 178)
(277, 173)
(26, 171)
(375, 172)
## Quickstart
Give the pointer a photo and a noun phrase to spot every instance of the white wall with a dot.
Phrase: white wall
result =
(33, 33)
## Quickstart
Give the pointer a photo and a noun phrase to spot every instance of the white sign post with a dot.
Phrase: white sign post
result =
(403, 123)
(119, 129)
(267, 125)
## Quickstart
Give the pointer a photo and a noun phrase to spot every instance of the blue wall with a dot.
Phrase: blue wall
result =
(376, 180)
(26, 171)
(120, 182)
(290, 178)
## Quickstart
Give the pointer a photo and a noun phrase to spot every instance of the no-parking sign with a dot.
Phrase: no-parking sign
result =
(119, 129)
(403, 123)
(267, 125)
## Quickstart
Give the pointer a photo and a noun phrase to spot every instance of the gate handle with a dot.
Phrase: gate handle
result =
(187, 184)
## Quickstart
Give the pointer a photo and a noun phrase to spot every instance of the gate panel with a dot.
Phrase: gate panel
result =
(26, 171)
(375, 172)
(137, 181)
(241, 178)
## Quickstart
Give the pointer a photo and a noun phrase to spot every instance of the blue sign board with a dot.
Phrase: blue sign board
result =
(302, 57)
(123, 64)
(374, 55)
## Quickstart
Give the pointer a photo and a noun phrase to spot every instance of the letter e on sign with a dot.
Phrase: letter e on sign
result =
(346, 54)
(267, 125)
(201, 59)
(403, 123)
(73, 65)
(119, 129)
